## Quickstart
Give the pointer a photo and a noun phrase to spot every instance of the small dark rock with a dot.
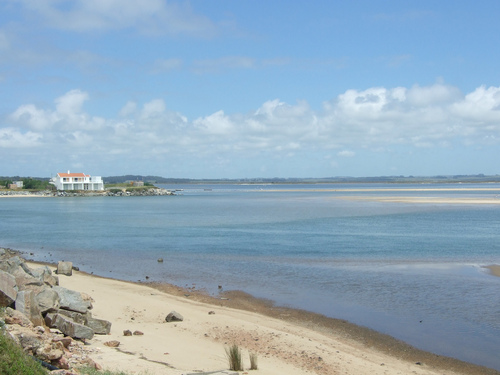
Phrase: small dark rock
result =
(174, 316)
(127, 333)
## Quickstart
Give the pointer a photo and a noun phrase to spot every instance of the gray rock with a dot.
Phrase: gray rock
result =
(8, 289)
(26, 304)
(174, 316)
(11, 264)
(72, 300)
(76, 316)
(99, 326)
(65, 268)
(67, 326)
(48, 300)
(45, 275)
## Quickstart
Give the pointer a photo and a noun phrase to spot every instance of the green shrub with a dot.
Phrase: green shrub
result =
(234, 357)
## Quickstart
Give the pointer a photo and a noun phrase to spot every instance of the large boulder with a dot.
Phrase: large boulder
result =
(99, 326)
(26, 304)
(48, 300)
(11, 264)
(65, 268)
(8, 289)
(68, 326)
(45, 275)
(72, 300)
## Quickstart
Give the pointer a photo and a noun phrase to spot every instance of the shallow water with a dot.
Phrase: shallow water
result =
(410, 270)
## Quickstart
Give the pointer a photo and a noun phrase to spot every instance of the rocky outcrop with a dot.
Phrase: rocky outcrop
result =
(151, 191)
(37, 295)
(34, 303)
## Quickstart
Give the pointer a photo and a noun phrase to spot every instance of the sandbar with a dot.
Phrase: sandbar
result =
(286, 341)
(424, 200)
(494, 269)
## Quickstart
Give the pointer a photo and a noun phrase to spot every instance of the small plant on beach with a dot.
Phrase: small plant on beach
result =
(253, 361)
(234, 357)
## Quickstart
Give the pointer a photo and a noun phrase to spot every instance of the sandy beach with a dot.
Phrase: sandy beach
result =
(286, 341)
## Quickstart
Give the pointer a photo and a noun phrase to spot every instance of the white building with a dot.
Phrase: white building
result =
(77, 181)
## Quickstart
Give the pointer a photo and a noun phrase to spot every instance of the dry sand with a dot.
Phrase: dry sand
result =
(286, 341)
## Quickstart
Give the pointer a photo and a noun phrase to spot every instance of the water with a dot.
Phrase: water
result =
(409, 270)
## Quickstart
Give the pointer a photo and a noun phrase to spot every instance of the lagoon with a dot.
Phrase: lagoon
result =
(412, 270)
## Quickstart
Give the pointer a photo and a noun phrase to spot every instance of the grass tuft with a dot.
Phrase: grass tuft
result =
(253, 361)
(234, 357)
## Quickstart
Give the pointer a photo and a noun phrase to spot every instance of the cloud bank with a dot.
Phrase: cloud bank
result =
(373, 119)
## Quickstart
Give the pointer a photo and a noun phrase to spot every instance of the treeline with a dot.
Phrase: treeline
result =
(28, 183)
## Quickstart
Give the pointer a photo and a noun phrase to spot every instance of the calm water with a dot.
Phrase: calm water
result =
(410, 270)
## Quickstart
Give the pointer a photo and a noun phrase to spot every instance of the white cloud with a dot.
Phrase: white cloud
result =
(346, 153)
(147, 16)
(11, 138)
(378, 118)
(128, 109)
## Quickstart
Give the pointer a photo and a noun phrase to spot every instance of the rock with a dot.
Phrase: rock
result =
(16, 317)
(211, 312)
(138, 333)
(26, 304)
(29, 341)
(11, 265)
(174, 316)
(65, 268)
(8, 289)
(72, 300)
(99, 326)
(112, 343)
(76, 316)
(48, 300)
(67, 326)
(160, 260)
(66, 341)
(45, 275)
(127, 333)
(50, 351)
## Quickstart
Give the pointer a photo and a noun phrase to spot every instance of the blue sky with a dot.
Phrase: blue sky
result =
(235, 89)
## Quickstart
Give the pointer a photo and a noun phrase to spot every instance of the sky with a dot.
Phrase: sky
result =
(249, 89)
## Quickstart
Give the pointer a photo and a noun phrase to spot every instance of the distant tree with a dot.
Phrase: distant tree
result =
(6, 183)
(33, 184)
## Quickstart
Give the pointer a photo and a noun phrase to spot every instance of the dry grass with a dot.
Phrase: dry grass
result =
(234, 357)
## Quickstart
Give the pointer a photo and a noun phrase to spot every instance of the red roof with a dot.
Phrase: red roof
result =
(73, 175)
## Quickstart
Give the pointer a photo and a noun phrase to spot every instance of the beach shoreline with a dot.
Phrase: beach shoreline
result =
(286, 340)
